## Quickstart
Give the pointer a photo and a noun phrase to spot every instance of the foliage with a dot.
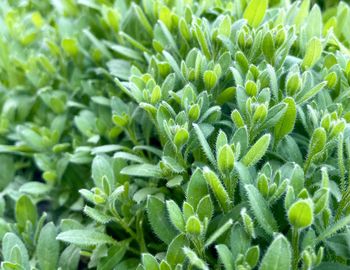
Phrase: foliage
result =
(174, 134)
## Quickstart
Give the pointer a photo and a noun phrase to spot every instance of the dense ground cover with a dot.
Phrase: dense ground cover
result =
(174, 134)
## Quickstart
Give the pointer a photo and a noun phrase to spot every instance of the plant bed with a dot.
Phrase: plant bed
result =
(174, 135)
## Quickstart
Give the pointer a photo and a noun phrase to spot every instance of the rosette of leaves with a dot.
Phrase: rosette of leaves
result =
(231, 121)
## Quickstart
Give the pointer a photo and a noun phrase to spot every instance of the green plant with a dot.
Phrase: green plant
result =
(174, 135)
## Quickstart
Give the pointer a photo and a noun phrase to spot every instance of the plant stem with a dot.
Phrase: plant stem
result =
(139, 231)
(126, 227)
(295, 247)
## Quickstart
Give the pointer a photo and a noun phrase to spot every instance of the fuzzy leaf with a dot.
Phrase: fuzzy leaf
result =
(255, 12)
(85, 238)
(278, 256)
(204, 144)
(197, 188)
(47, 249)
(257, 151)
(286, 124)
(175, 215)
(158, 217)
(217, 188)
(175, 254)
(261, 210)
(225, 256)
(142, 170)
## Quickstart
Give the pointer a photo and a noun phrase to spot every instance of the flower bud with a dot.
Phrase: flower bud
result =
(156, 94)
(263, 185)
(194, 112)
(181, 137)
(260, 113)
(331, 80)
(300, 214)
(237, 119)
(193, 226)
(210, 79)
(226, 159)
(293, 84)
(251, 88)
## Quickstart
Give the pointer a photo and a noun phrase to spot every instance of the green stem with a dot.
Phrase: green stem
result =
(132, 135)
(139, 231)
(295, 246)
(126, 227)
(135, 251)
(199, 246)
(117, 218)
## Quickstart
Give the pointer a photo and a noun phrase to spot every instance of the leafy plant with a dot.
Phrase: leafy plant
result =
(174, 135)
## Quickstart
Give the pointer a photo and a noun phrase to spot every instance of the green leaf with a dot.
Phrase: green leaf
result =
(175, 215)
(286, 124)
(7, 168)
(252, 256)
(202, 41)
(35, 188)
(170, 59)
(225, 256)
(332, 229)
(268, 47)
(261, 210)
(175, 254)
(278, 256)
(219, 232)
(204, 144)
(303, 12)
(313, 53)
(101, 167)
(197, 188)
(85, 238)
(303, 97)
(97, 215)
(257, 151)
(124, 51)
(115, 255)
(8, 242)
(255, 12)
(194, 259)
(331, 266)
(149, 262)
(129, 156)
(69, 258)
(225, 26)
(25, 211)
(205, 208)
(143, 19)
(314, 23)
(48, 248)
(158, 217)
(142, 170)
(340, 244)
(217, 188)
(316, 145)
(320, 200)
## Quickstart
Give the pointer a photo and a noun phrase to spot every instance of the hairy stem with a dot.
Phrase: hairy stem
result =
(295, 246)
